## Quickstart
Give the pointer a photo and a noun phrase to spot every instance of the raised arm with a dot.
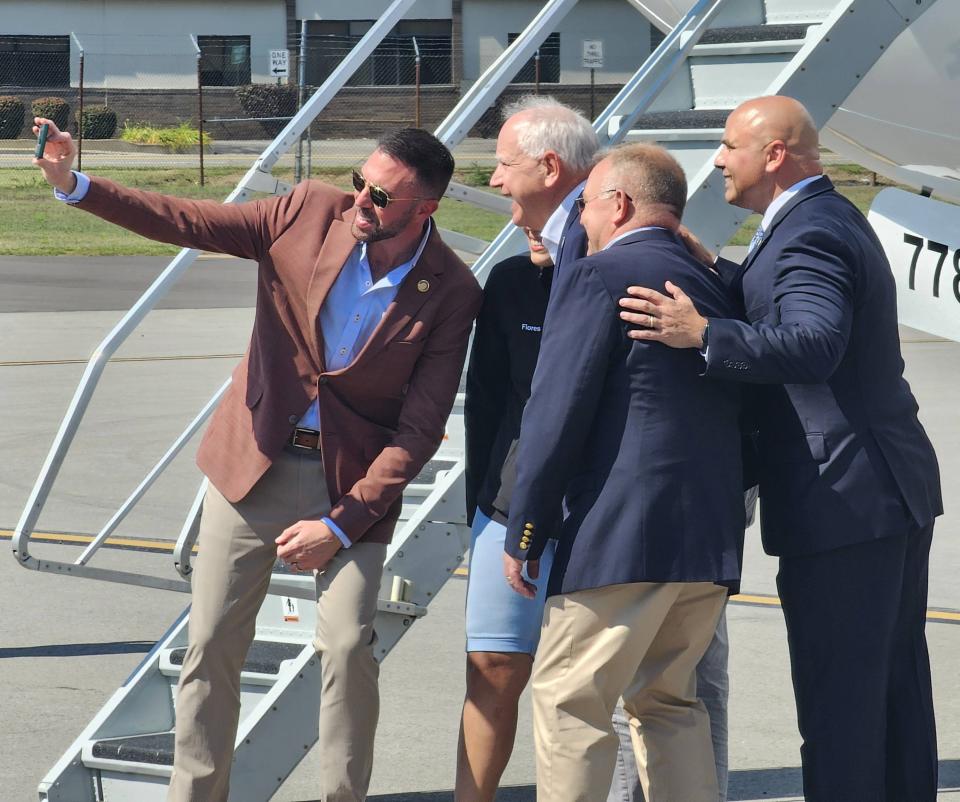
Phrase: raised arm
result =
(243, 230)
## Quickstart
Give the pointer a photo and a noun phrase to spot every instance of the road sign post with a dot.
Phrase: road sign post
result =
(279, 64)
(593, 61)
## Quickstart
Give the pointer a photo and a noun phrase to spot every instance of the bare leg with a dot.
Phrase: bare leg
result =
(489, 725)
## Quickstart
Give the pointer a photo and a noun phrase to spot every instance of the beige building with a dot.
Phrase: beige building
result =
(136, 44)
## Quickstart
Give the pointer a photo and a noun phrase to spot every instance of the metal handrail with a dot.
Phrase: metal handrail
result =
(495, 79)
(452, 130)
(645, 85)
(258, 178)
(183, 551)
(152, 476)
(642, 89)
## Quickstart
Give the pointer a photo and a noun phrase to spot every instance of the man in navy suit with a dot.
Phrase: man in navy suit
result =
(849, 483)
(646, 453)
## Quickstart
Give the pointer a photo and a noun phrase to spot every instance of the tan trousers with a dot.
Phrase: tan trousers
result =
(641, 641)
(230, 580)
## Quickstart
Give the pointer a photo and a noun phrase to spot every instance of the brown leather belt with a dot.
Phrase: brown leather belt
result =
(308, 439)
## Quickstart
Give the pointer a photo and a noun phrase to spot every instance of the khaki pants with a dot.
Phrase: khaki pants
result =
(641, 641)
(237, 554)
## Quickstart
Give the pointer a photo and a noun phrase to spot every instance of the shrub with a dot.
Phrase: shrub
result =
(52, 108)
(268, 100)
(477, 176)
(177, 138)
(99, 122)
(11, 116)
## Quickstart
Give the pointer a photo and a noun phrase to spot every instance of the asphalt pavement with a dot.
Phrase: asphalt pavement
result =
(66, 643)
(318, 153)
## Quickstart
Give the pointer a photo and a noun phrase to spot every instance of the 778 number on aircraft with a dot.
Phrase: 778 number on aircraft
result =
(942, 251)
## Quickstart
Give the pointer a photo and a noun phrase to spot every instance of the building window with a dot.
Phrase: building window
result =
(393, 63)
(549, 62)
(225, 60)
(35, 61)
(656, 37)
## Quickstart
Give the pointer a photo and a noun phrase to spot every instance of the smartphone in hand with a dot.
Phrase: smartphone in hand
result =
(42, 140)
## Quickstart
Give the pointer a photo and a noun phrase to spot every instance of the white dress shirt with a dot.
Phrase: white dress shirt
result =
(552, 231)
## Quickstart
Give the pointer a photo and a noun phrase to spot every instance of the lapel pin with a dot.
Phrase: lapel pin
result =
(423, 285)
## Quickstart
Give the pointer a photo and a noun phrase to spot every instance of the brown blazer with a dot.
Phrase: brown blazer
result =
(382, 416)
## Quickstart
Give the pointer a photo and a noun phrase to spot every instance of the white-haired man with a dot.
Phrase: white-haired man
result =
(545, 151)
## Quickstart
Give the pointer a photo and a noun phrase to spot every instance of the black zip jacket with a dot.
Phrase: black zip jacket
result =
(504, 354)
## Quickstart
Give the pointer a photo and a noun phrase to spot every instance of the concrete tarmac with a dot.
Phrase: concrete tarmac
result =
(66, 644)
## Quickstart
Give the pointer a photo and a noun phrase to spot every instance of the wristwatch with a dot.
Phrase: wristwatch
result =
(704, 335)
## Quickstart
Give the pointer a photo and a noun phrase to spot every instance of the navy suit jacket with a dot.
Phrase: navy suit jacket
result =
(843, 457)
(573, 241)
(645, 449)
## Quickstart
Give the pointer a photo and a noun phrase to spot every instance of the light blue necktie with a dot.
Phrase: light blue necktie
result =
(757, 239)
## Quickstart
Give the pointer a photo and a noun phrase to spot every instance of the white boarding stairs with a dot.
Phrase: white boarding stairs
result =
(126, 752)
(721, 52)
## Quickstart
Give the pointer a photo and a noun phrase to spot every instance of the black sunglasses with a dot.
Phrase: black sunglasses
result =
(380, 197)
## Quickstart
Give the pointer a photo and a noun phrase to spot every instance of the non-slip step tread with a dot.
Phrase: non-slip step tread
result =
(429, 473)
(156, 748)
(264, 656)
(687, 118)
(754, 33)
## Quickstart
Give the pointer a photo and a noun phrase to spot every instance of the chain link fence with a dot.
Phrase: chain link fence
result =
(140, 101)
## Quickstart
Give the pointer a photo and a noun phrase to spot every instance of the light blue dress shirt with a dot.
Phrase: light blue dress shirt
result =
(79, 191)
(351, 311)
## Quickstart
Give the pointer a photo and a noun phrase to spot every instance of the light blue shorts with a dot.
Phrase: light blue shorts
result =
(498, 618)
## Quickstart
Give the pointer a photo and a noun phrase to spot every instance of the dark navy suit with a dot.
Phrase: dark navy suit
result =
(645, 450)
(573, 240)
(849, 489)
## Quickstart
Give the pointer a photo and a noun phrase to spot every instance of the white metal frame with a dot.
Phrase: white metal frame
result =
(257, 179)
(717, 220)
(438, 526)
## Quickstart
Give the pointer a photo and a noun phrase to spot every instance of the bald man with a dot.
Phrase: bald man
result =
(849, 483)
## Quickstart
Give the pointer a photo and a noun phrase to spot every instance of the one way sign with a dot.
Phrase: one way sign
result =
(280, 63)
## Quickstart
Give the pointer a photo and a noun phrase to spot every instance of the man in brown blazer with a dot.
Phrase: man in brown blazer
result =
(362, 321)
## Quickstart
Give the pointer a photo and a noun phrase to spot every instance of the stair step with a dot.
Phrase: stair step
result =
(754, 33)
(264, 657)
(155, 748)
(714, 119)
(428, 475)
